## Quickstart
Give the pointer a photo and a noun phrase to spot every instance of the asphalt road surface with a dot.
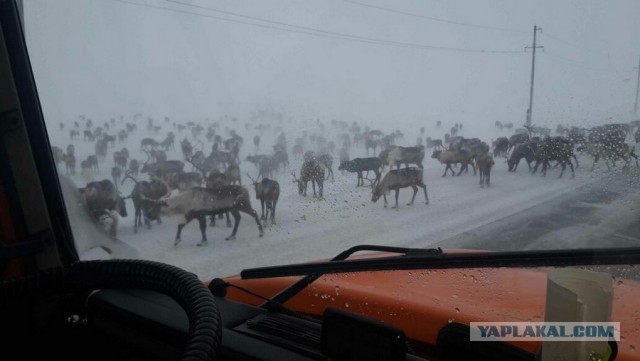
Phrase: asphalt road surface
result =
(602, 214)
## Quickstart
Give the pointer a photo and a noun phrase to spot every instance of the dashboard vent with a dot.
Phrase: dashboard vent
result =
(292, 329)
(298, 335)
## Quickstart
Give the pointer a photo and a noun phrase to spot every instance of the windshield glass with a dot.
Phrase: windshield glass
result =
(510, 126)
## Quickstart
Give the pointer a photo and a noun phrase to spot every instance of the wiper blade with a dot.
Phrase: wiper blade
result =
(558, 258)
(292, 290)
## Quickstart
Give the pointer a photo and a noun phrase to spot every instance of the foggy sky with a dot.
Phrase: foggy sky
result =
(105, 58)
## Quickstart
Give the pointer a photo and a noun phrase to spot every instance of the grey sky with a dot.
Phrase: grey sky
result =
(105, 58)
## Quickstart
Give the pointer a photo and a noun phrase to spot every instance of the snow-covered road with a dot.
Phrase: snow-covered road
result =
(309, 229)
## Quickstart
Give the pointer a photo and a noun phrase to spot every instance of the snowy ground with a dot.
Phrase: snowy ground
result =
(309, 229)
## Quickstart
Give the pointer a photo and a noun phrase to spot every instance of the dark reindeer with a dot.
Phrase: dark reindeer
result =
(144, 195)
(311, 171)
(268, 192)
(360, 165)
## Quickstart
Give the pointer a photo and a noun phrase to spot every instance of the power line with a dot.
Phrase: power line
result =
(582, 64)
(313, 31)
(446, 21)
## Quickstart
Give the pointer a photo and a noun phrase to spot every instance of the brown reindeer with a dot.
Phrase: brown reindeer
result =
(400, 178)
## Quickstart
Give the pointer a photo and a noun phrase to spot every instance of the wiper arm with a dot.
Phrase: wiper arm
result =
(309, 277)
(543, 258)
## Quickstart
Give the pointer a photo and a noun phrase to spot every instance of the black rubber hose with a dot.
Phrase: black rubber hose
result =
(205, 330)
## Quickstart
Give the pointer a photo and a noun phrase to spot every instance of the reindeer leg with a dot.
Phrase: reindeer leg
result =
(426, 196)
(262, 216)
(146, 220)
(180, 226)
(385, 200)
(228, 220)
(202, 220)
(564, 166)
(573, 173)
(397, 194)
(254, 214)
(273, 213)
(236, 219)
(415, 191)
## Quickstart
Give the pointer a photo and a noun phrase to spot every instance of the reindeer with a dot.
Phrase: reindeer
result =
(102, 198)
(88, 136)
(144, 195)
(187, 149)
(110, 139)
(326, 160)
(266, 167)
(400, 178)
(555, 148)
(406, 155)
(197, 203)
(216, 179)
(119, 160)
(450, 157)
(484, 163)
(280, 157)
(256, 142)
(168, 142)
(58, 155)
(70, 162)
(232, 173)
(268, 192)
(101, 149)
(73, 134)
(311, 171)
(184, 180)
(116, 174)
(92, 160)
(163, 168)
(148, 143)
(359, 165)
(134, 167)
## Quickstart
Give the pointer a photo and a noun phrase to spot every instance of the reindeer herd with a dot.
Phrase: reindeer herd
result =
(205, 182)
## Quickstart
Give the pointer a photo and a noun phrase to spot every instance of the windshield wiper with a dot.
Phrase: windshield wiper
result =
(410, 261)
(309, 277)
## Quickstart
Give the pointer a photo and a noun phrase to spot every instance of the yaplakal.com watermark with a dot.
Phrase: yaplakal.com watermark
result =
(545, 331)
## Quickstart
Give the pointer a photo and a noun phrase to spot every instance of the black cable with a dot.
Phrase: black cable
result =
(323, 33)
(487, 27)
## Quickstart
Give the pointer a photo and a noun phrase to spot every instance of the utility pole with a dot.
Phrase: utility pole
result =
(635, 106)
(533, 69)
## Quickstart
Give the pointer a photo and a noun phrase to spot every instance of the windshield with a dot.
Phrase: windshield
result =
(289, 131)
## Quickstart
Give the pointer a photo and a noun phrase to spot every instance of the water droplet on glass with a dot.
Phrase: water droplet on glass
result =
(450, 320)
(337, 290)
(457, 310)
(346, 304)
(632, 348)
